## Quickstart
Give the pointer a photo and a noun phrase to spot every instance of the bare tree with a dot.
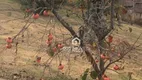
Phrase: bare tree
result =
(95, 29)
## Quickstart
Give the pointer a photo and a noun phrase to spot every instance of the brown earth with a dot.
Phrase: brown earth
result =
(11, 22)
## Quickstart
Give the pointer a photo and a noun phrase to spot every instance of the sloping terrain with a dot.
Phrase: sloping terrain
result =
(32, 43)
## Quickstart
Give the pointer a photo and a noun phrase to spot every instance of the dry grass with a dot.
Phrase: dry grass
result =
(28, 50)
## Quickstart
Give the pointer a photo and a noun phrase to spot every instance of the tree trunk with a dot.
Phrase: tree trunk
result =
(95, 29)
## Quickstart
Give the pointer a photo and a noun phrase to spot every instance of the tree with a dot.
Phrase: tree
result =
(94, 30)
(95, 25)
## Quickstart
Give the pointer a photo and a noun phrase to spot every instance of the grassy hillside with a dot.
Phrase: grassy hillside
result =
(34, 44)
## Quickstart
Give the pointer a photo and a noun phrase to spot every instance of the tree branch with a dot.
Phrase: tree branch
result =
(88, 54)
(60, 19)
(64, 23)
(112, 14)
(124, 54)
